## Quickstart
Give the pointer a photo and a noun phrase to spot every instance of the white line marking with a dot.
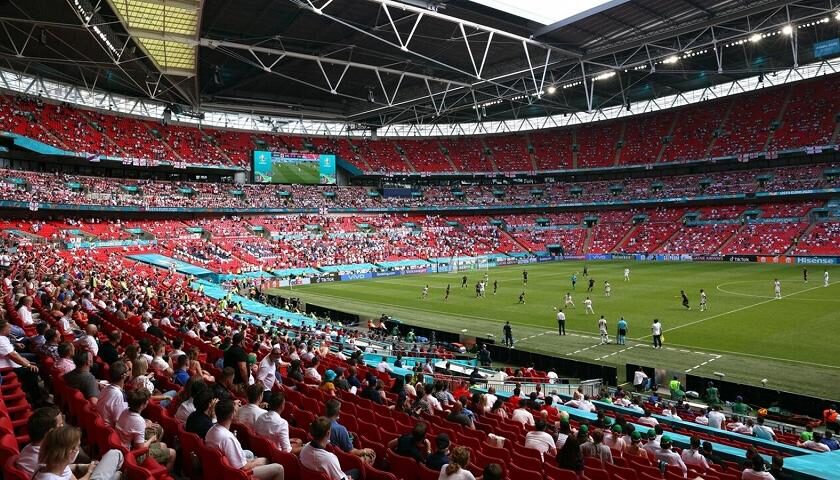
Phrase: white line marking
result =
(734, 311)
(716, 357)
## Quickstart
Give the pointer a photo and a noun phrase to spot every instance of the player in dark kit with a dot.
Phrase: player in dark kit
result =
(591, 284)
(805, 275)
(524, 277)
(685, 300)
(522, 297)
(495, 286)
(585, 271)
(464, 281)
(446, 297)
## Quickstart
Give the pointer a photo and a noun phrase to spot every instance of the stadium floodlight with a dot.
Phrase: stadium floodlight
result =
(671, 59)
(551, 89)
(755, 38)
(787, 30)
(837, 16)
(605, 76)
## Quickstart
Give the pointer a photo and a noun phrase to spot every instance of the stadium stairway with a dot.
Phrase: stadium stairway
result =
(447, 157)
(627, 236)
(804, 234)
(587, 242)
(491, 156)
(513, 239)
(617, 160)
(720, 126)
(670, 133)
(731, 238)
(779, 119)
(835, 135)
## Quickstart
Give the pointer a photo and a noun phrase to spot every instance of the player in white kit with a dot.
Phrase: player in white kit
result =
(588, 304)
(425, 294)
(702, 300)
(825, 278)
(602, 329)
(626, 274)
(607, 289)
(569, 300)
(777, 289)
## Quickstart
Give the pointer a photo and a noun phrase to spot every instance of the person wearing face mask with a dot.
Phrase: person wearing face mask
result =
(59, 450)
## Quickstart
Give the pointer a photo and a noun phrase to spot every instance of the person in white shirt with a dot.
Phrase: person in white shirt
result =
(383, 366)
(666, 455)
(131, 427)
(602, 329)
(652, 446)
(456, 469)
(586, 405)
(777, 289)
(59, 450)
(540, 440)
(220, 437)
(656, 332)
(111, 403)
(267, 370)
(716, 418)
(88, 340)
(626, 274)
(764, 432)
(640, 379)
(692, 456)
(814, 444)
(825, 279)
(311, 374)
(742, 428)
(587, 304)
(274, 427)
(24, 310)
(647, 420)
(756, 471)
(521, 414)
(614, 440)
(314, 455)
(491, 396)
(250, 412)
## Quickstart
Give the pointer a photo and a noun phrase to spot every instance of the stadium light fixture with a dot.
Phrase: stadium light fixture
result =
(671, 59)
(787, 30)
(837, 16)
(551, 89)
(605, 76)
(755, 38)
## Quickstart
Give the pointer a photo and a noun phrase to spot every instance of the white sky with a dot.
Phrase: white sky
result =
(542, 11)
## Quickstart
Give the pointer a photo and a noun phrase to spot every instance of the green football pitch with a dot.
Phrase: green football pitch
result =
(745, 333)
(305, 173)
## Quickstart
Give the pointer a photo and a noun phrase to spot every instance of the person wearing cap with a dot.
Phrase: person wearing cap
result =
(614, 439)
(668, 456)
(595, 448)
(440, 457)
(692, 456)
(652, 446)
(327, 386)
(635, 449)
(739, 407)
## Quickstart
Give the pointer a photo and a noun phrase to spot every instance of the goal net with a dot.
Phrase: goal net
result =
(464, 264)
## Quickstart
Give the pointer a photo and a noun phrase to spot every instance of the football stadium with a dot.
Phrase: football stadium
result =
(420, 239)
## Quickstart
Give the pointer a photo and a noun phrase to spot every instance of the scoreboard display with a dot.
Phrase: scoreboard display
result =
(293, 168)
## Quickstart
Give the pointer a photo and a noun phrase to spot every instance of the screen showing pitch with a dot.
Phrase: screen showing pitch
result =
(304, 168)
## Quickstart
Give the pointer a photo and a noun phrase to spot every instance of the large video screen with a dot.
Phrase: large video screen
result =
(303, 168)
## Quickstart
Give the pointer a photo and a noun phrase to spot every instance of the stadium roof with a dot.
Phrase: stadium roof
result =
(382, 62)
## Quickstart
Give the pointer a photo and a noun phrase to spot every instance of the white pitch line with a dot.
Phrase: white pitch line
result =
(734, 311)
(716, 357)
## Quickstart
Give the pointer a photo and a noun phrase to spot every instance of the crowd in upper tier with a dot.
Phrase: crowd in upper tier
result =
(29, 186)
(797, 115)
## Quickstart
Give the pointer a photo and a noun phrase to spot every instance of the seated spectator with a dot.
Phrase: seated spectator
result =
(81, 379)
(274, 427)
(179, 373)
(456, 469)
(340, 437)
(201, 419)
(757, 471)
(373, 391)
(457, 416)
(634, 449)
(521, 414)
(314, 455)
(221, 438)
(26, 371)
(570, 456)
(327, 386)
(50, 346)
(614, 440)
(187, 405)
(108, 351)
(440, 456)
(311, 374)
(111, 403)
(132, 429)
(59, 450)
(830, 441)
(414, 444)
(88, 341)
(540, 440)
(647, 420)
(815, 444)
(493, 471)
(668, 456)
(65, 364)
(762, 431)
(692, 456)
(596, 448)
(251, 411)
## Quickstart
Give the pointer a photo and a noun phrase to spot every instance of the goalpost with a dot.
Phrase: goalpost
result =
(462, 264)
